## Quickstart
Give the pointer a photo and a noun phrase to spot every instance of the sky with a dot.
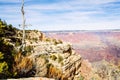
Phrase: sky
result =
(47, 15)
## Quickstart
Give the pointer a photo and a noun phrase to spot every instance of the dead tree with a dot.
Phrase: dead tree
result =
(23, 26)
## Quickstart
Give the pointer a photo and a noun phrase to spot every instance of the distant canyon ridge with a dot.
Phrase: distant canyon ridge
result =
(92, 45)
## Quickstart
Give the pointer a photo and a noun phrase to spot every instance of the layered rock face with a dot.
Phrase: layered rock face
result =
(58, 60)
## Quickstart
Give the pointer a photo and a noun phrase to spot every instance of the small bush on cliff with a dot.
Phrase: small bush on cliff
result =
(6, 30)
(1, 56)
(60, 58)
(28, 48)
(53, 57)
(4, 73)
(3, 68)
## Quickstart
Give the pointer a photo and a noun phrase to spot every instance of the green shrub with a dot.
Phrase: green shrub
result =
(3, 67)
(60, 58)
(6, 59)
(28, 48)
(35, 39)
(48, 65)
(7, 50)
(47, 39)
(17, 44)
(1, 56)
(53, 57)
(81, 78)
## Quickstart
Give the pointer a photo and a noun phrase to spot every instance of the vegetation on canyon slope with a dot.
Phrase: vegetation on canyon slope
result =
(7, 50)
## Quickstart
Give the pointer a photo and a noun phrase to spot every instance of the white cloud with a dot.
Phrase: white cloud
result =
(93, 2)
(69, 14)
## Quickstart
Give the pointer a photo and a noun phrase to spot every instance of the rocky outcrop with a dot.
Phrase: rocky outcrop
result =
(60, 61)
(55, 59)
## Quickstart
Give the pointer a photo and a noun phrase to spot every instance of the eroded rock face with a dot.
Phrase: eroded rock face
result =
(47, 48)
(41, 68)
(75, 67)
(86, 69)
(66, 64)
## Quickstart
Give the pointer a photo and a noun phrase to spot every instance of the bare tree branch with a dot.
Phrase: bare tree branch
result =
(23, 26)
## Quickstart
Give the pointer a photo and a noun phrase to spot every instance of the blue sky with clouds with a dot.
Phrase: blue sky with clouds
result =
(63, 14)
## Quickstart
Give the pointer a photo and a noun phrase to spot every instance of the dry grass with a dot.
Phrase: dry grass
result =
(53, 72)
(22, 65)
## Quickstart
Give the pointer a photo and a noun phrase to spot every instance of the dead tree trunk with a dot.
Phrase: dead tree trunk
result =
(23, 26)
